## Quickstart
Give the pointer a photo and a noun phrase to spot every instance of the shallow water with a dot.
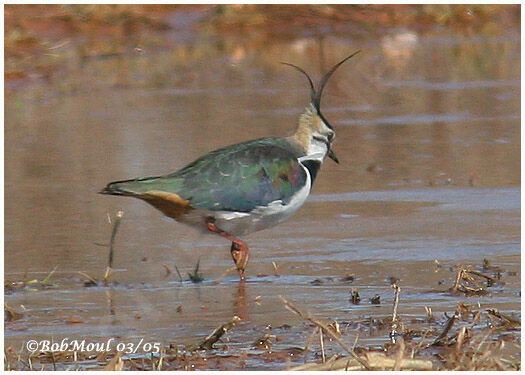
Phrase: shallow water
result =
(428, 138)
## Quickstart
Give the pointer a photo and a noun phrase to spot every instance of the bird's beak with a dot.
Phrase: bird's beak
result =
(331, 155)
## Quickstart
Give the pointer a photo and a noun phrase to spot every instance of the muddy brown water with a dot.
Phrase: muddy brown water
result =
(428, 134)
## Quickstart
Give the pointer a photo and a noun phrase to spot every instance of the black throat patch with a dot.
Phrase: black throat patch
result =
(313, 167)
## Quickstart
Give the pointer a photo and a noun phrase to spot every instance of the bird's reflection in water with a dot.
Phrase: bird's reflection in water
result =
(240, 302)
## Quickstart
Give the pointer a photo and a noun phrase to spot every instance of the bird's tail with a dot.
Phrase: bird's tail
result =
(129, 187)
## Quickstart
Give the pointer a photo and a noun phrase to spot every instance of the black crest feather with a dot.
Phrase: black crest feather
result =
(316, 94)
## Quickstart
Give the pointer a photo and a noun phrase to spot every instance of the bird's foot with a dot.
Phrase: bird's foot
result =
(239, 249)
(240, 255)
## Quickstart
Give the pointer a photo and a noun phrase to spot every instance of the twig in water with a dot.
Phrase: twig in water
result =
(490, 279)
(394, 332)
(448, 327)
(324, 328)
(212, 338)
(310, 338)
(275, 269)
(459, 277)
(459, 338)
(508, 320)
(46, 279)
(107, 275)
(224, 274)
(116, 364)
(113, 235)
(464, 277)
(178, 273)
(421, 345)
(430, 316)
(322, 345)
(168, 269)
(355, 341)
(109, 269)
(399, 355)
(92, 280)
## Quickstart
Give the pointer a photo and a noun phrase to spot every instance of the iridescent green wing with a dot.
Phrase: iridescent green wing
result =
(242, 177)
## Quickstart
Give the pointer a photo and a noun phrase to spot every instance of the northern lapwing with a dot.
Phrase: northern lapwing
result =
(245, 187)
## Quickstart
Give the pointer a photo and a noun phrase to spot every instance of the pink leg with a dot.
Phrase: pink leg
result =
(239, 250)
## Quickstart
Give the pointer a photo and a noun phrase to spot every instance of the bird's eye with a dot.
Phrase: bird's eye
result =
(331, 136)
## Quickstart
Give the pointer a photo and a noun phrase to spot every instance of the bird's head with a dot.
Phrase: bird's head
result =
(314, 132)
